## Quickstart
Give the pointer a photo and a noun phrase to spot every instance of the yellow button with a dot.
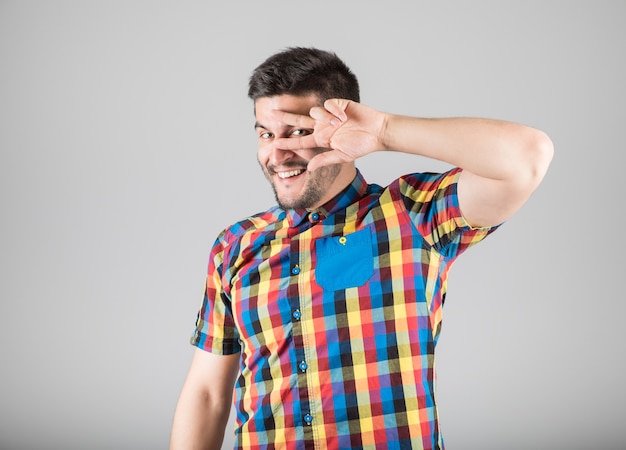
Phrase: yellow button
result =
(343, 240)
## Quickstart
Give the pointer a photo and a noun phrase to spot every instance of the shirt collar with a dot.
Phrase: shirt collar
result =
(353, 192)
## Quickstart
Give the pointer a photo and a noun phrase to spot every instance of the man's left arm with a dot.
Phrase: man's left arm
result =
(502, 162)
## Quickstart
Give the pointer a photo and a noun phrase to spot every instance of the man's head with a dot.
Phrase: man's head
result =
(294, 81)
(303, 71)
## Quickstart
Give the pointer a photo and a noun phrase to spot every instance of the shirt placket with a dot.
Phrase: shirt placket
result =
(299, 270)
(301, 298)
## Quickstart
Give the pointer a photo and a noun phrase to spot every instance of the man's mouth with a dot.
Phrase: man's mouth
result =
(289, 173)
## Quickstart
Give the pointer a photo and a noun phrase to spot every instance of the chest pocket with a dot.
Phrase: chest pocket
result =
(344, 261)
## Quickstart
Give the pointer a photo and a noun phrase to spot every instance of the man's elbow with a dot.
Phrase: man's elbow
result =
(539, 153)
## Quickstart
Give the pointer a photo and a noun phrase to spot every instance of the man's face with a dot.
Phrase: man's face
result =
(294, 186)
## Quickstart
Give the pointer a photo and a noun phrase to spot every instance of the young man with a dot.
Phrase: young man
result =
(323, 312)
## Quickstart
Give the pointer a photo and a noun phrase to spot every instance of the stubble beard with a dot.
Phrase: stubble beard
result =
(315, 188)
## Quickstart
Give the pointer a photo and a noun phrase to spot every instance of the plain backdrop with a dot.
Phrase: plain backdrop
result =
(127, 144)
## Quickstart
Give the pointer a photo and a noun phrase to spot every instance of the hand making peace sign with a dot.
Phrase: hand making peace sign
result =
(351, 130)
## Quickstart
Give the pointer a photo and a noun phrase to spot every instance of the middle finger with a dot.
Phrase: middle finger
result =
(294, 120)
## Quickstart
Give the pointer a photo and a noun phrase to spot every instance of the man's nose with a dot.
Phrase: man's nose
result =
(279, 155)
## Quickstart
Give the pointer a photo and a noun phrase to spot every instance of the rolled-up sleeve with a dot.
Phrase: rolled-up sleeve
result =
(215, 330)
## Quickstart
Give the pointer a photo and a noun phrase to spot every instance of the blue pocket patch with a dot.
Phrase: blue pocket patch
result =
(344, 261)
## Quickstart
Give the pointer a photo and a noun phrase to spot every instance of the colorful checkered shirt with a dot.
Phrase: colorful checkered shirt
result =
(336, 313)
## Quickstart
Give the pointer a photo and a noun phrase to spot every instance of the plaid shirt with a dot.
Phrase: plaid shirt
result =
(336, 313)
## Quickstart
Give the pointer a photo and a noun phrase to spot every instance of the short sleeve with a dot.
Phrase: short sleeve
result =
(215, 325)
(432, 202)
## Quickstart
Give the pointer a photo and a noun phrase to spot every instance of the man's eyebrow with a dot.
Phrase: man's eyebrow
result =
(260, 125)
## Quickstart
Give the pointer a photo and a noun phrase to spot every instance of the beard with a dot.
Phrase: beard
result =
(315, 188)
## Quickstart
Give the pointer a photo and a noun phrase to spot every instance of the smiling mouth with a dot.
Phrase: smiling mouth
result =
(289, 173)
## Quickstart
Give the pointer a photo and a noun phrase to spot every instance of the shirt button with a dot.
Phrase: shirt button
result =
(297, 314)
(308, 419)
(315, 217)
(295, 270)
(303, 366)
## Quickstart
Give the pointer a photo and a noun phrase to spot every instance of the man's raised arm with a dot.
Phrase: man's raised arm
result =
(503, 162)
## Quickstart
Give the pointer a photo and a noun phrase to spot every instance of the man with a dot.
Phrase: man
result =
(324, 311)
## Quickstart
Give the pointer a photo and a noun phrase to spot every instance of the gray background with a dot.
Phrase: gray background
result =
(127, 144)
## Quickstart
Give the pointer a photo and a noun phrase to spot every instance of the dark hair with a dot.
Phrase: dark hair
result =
(304, 71)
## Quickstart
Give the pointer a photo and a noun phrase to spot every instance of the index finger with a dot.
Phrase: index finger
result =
(294, 120)
(297, 143)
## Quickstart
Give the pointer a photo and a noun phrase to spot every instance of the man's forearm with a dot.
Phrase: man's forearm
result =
(489, 148)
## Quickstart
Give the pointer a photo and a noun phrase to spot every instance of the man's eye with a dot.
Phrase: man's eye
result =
(266, 135)
(300, 132)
